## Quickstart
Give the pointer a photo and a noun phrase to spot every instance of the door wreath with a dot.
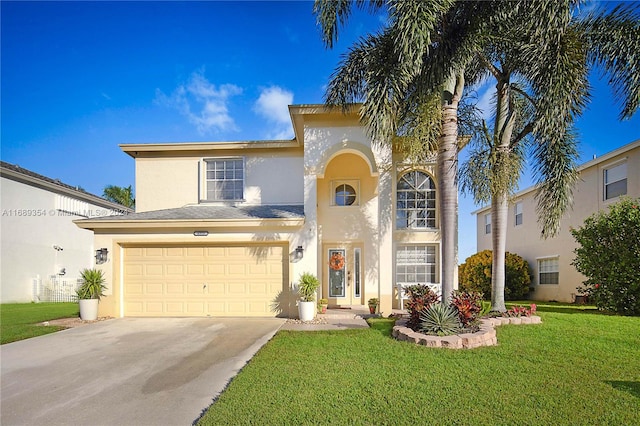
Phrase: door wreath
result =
(337, 261)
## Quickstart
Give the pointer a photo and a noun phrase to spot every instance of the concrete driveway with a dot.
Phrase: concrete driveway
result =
(129, 371)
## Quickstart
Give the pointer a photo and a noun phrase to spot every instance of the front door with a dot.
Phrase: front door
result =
(343, 283)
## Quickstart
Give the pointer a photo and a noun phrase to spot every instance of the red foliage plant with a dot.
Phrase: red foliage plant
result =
(469, 305)
(420, 297)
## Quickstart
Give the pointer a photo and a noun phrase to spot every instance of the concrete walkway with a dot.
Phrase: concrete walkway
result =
(334, 319)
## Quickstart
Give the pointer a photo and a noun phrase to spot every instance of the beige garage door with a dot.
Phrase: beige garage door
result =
(201, 281)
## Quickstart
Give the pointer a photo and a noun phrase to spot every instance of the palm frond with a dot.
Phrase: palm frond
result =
(555, 174)
(333, 14)
(614, 45)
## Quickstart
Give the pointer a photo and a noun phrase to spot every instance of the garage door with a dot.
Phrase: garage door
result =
(201, 281)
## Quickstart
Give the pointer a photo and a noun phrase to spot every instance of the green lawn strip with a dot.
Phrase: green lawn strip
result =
(572, 369)
(19, 321)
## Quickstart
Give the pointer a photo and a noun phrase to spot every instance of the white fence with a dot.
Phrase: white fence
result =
(435, 287)
(55, 289)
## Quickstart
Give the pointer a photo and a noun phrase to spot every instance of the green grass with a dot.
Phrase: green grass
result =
(572, 369)
(18, 320)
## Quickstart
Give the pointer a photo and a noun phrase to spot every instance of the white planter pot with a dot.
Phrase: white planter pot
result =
(88, 309)
(307, 310)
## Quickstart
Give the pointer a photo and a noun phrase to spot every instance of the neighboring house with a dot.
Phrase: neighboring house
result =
(39, 238)
(601, 183)
(226, 229)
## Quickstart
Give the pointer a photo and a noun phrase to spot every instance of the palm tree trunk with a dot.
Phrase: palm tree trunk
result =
(499, 213)
(447, 164)
(505, 119)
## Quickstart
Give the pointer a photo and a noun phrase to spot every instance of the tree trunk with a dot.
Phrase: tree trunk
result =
(448, 183)
(503, 131)
(499, 215)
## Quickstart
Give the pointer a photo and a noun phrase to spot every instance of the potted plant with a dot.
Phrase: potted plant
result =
(307, 287)
(322, 306)
(90, 292)
(373, 305)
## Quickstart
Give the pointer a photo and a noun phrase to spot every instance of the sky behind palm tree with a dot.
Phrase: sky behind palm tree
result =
(79, 78)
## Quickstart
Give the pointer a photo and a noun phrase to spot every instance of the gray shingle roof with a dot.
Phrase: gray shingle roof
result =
(13, 172)
(214, 212)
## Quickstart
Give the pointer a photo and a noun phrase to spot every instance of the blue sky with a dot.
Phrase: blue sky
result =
(79, 78)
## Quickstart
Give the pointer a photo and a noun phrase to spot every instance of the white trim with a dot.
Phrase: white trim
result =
(354, 183)
(547, 257)
(202, 179)
(614, 163)
(121, 281)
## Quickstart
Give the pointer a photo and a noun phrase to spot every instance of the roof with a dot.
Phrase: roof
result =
(20, 174)
(203, 216)
(212, 212)
(605, 157)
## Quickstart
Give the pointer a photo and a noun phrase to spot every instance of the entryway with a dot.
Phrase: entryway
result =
(343, 280)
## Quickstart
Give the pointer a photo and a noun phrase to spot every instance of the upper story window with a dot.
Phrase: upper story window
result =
(416, 201)
(487, 223)
(615, 181)
(345, 193)
(517, 211)
(225, 179)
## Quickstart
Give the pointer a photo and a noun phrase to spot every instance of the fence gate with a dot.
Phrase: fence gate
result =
(55, 289)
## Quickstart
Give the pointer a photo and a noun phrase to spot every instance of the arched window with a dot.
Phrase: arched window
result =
(415, 201)
(345, 195)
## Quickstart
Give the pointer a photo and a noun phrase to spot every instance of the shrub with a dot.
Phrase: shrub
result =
(519, 311)
(92, 286)
(307, 287)
(609, 256)
(474, 275)
(439, 320)
(420, 297)
(468, 305)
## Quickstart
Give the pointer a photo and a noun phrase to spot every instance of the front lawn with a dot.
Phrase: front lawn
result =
(575, 368)
(18, 320)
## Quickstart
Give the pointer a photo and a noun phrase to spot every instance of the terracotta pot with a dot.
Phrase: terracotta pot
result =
(372, 309)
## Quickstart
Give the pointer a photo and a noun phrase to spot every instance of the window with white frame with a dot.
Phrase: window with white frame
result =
(517, 210)
(415, 201)
(615, 181)
(548, 271)
(345, 193)
(415, 264)
(224, 179)
(487, 223)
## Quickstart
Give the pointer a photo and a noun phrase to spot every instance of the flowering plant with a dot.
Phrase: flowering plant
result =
(519, 311)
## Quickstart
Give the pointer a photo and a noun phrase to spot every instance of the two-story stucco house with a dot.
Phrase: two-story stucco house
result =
(601, 183)
(226, 228)
(39, 239)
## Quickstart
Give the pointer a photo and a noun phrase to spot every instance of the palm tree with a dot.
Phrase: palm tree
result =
(541, 87)
(426, 49)
(120, 195)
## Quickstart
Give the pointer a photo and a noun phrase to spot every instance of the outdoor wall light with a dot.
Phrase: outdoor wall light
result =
(101, 256)
(299, 252)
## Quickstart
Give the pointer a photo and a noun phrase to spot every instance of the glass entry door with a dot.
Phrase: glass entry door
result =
(343, 284)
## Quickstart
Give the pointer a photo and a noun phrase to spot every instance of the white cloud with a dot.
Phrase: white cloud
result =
(204, 105)
(273, 104)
